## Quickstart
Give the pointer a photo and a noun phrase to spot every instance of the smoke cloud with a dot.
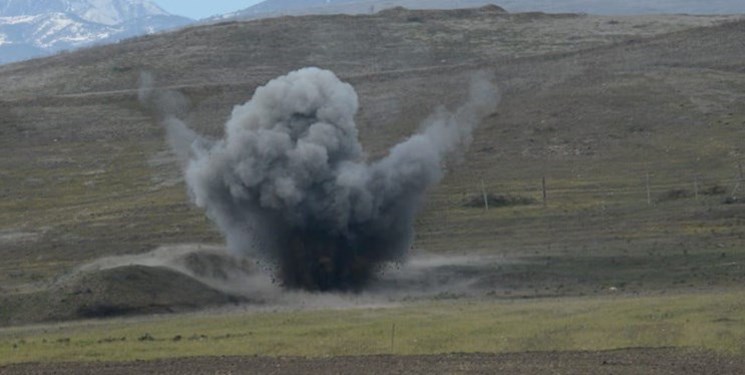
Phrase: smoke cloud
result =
(290, 183)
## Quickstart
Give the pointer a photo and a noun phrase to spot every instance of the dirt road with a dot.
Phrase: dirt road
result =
(629, 361)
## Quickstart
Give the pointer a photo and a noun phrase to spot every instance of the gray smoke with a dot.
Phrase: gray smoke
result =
(290, 184)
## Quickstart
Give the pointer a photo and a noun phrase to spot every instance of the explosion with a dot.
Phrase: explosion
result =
(290, 183)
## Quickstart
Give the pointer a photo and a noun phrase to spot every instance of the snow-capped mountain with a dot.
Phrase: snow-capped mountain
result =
(31, 28)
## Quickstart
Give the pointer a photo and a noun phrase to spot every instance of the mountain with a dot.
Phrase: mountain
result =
(274, 8)
(278, 6)
(32, 28)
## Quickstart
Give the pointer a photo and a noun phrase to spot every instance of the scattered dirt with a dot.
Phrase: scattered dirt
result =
(618, 362)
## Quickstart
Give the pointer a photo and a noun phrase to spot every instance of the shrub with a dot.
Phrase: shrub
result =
(714, 190)
(674, 194)
(477, 200)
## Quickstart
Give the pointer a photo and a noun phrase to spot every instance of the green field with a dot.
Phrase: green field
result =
(711, 321)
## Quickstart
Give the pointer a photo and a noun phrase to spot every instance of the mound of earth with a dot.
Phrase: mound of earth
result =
(126, 290)
(139, 289)
(215, 265)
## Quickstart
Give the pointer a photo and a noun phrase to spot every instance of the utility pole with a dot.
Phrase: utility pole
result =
(545, 194)
(485, 196)
(739, 179)
(393, 337)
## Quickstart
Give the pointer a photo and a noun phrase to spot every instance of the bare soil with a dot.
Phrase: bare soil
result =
(628, 361)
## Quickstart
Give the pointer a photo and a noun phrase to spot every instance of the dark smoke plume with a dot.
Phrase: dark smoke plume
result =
(290, 183)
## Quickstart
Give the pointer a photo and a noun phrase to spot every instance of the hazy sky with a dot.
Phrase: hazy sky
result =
(200, 8)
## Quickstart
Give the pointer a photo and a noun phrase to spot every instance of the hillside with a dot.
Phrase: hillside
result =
(276, 8)
(635, 122)
(612, 7)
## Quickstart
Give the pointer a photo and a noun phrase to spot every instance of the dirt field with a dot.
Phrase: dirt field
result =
(631, 361)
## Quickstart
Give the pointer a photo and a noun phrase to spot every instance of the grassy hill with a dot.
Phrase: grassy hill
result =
(636, 123)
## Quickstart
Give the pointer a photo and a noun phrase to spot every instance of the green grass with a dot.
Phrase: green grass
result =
(708, 321)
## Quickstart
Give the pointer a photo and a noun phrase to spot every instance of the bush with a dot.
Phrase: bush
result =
(674, 194)
(731, 200)
(714, 190)
(477, 200)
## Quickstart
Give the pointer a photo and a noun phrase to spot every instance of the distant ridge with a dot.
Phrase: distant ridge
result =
(277, 8)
